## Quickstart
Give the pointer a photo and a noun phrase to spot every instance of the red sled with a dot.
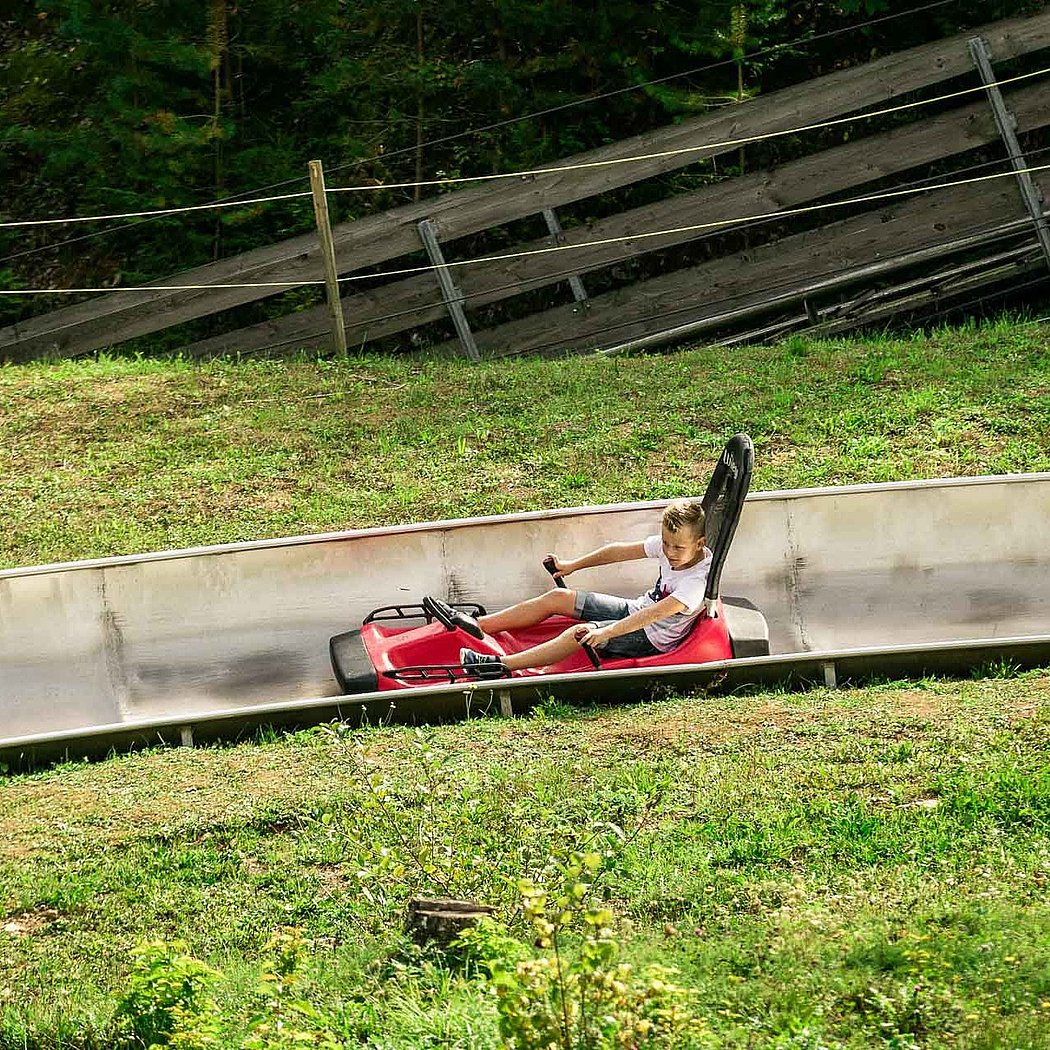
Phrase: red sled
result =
(389, 651)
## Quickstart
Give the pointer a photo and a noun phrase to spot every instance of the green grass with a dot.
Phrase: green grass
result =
(842, 869)
(121, 456)
(851, 869)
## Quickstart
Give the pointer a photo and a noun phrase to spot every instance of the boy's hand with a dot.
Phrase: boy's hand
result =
(561, 568)
(595, 637)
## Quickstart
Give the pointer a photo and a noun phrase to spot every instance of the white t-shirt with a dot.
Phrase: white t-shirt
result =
(687, 585)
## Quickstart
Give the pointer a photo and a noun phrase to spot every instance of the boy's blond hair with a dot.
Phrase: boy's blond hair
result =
(687, 513)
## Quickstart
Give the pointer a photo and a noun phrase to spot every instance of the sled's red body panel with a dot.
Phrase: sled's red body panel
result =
(395, 648)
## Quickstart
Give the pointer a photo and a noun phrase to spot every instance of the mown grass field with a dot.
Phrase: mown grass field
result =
(860, 868)
(122, 456)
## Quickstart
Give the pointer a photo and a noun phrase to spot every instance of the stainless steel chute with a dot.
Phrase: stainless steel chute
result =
(865, 579)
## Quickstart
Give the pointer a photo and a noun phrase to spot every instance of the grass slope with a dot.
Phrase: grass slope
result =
(862, 868)
(850, 869)
(122, 456)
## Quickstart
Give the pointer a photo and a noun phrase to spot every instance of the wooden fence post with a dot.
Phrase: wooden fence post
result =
(331, 278)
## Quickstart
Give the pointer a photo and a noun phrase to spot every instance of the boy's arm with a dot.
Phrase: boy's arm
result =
(660, 610)
(607, 555)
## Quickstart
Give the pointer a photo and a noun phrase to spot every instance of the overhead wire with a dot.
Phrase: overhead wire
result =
(554, 278)
(721, 63)
(238, 198)
(530, 173)
(723, 145)
(968, 232)
(508, 256)
(769, 289)
(771, 302)
(1016, 229)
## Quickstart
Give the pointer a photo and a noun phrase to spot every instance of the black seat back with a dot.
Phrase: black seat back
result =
(723, 501)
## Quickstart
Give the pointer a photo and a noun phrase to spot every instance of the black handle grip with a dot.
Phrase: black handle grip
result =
(592, 654)
(548, 564)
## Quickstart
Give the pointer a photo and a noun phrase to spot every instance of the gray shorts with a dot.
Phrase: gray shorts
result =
(604, 609)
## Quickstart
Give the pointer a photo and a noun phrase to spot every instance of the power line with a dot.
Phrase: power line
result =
(535, 172)
(508, 256)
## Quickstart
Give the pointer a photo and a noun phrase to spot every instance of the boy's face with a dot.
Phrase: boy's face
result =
(683, 549)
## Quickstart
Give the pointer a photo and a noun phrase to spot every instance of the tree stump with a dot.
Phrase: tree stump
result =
(441, 921)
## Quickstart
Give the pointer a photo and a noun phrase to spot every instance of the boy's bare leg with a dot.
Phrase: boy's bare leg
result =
(545, 653)
(528, 613)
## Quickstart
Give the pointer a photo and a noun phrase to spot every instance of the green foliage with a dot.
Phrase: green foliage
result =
(168, 1000)
(578, 996)
(842, 869)
(405, 837)
(283, 1018)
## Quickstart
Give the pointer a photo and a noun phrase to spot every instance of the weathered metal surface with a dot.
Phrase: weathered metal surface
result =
(866, 577)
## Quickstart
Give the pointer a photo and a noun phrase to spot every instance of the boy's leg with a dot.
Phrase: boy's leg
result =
(545, 653)
(557, 602)
(589, 606)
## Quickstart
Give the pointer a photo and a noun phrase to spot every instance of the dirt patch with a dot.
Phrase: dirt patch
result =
(31, 923)
(332, 879)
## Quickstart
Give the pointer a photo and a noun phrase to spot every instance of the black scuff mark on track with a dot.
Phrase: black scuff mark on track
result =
(992, 604)
(113, 649)
(252, 678)
(796, 565)
(454, 588)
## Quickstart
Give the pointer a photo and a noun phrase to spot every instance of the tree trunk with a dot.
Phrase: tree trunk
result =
(419, 104)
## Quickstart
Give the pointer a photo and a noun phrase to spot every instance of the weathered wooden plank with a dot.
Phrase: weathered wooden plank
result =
(368, 316)
(762, 193)
(752, 276)
(946, 295)
(793, 184)
(808, 294)
(119, 316)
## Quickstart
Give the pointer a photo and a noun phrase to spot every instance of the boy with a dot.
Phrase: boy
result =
(652, 623)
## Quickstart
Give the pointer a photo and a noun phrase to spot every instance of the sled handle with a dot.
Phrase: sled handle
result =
(592, 655)
(548, 564)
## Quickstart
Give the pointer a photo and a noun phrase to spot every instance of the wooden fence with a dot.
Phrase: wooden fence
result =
(927, 247)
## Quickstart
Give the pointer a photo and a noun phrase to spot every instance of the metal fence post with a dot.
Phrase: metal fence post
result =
(579, 293)
(449, 290)
(1007, 125)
